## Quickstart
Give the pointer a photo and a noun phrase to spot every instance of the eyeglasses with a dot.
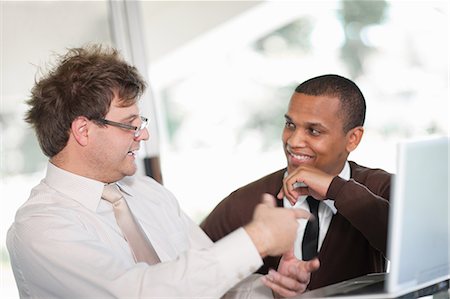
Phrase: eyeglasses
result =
(137, 130)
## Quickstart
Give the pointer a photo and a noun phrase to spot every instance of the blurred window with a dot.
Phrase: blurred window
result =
(223, 90)
(222, 73)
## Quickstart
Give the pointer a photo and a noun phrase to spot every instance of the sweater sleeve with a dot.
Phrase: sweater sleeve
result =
(364, 202)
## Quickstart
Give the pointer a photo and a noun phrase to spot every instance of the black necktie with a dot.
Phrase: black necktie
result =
(311, 237)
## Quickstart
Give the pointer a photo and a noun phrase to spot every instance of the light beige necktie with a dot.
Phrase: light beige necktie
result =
(141, 247)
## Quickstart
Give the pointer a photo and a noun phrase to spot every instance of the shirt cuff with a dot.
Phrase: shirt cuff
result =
(238, 254)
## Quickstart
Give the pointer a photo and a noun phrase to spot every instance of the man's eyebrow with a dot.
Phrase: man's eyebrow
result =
(309, 124)
(130, 117)
(317, 125)
(313, 124)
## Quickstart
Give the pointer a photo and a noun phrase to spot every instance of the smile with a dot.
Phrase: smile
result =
(300, 157)
(132, 153)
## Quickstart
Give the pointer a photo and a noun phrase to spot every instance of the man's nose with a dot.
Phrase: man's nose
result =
(297, 138)
(145, 135)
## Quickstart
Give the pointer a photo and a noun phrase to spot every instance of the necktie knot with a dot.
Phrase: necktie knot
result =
(111, 193)
(140, 246)
(313, 205)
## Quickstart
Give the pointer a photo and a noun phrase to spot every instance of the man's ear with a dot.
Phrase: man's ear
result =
(354, 137)
(80, 130)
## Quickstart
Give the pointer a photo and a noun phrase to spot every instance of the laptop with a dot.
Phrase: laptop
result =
(419, 229)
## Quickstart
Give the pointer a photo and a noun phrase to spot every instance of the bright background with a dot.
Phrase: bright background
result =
(221, 74)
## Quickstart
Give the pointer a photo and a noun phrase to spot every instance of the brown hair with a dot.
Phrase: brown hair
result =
(82, 83)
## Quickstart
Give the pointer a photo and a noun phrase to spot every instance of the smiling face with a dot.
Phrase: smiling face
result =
(113, 149)
(314, 134)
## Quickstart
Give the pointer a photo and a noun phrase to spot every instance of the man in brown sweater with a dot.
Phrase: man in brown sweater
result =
(324, 123)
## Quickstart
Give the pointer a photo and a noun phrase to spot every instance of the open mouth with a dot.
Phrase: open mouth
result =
(299, 157)
(132, 153)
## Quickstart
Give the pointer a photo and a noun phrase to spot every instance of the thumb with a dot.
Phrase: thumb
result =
(268, 200)
(312, 265)
(280, 194)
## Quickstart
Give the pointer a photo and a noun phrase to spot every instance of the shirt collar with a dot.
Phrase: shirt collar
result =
(86, 191)
(345, 174)
(124, 186)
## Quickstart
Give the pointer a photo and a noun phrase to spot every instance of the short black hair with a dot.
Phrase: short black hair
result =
(353, 104)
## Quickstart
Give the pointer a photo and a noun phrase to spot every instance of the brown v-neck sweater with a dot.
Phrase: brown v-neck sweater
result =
(355, 243)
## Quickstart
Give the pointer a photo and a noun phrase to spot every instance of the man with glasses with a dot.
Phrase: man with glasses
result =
(91, 228)
(137, 130)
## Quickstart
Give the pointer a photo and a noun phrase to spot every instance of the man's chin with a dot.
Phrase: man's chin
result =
(293, 166)
(130, 170)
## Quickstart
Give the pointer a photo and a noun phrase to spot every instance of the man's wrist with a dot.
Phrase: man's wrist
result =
(258, 235)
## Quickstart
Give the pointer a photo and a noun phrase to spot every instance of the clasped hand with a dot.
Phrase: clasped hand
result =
(305, 180)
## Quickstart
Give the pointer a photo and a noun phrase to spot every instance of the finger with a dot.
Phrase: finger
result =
(299, 274)
(312, 265)
(286, 282)
(289, 191)
(268, 200)
(280, 194)
(300, 213)
(298, 188)
(302, 191)
(288, 187)
(280, 291)
(291, 198)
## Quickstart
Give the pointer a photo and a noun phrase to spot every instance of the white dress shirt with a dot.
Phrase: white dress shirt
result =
(325, 212)
(65, 243)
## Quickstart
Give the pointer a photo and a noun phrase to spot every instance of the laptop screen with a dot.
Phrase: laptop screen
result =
(419, 216)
